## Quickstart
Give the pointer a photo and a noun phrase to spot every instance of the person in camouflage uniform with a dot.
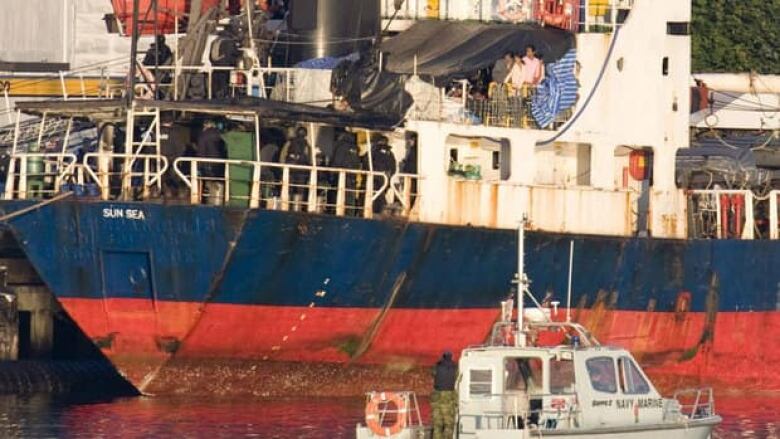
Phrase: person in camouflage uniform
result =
(444, 400)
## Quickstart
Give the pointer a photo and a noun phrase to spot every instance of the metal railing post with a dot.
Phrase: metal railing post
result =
(254, 194)
(22, 193)
(368, 207)
(285, 189)
(194, 183)
(774, 215)
(341, 194)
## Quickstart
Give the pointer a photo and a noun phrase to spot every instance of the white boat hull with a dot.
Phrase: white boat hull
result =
(700, 429)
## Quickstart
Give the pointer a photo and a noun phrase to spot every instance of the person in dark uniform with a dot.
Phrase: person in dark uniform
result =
(383, 160)
(346, 156)
(159, 54)
(409, 164)
(173, 145)
(444, 400)
(298, 152)
(224, 53)
(211, 146)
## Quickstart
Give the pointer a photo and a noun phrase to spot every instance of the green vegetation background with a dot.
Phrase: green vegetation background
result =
(736, 36)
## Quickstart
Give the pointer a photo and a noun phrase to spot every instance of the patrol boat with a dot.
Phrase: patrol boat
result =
(542, 378)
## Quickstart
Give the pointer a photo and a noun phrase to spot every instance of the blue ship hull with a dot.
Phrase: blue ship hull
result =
(149, 282)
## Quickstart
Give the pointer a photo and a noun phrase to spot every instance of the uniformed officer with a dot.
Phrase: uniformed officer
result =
(383, 160)
(346, 156)
(444, 400)
(298, 152)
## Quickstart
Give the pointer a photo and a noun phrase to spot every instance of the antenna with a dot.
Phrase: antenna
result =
(568, 293)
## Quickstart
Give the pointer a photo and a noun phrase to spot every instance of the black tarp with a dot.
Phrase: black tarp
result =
(366, 88)
(451, 49)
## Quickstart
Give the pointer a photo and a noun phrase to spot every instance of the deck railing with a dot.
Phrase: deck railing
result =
(39, 175)
(575, 15)
(406, 190)
(694, 403)
(283, 186)
(558, 411)
(125, 176)
(721, 214)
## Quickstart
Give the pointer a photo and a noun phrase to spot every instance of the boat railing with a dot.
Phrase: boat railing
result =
(109, 80)
(693, 403)
(125, 176)
(774, 215)
(574, 15)
(279, 186)
(266, 82)
(38, 174)
(99, 80)
(406, 190)
(721, 214)
(504, 106)
(505, 333)
(558, 411)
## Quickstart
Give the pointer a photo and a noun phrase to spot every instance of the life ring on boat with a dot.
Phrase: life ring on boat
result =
(377, 408)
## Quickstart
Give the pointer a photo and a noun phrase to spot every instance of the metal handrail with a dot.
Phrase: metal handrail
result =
(19, 169)
(285, 184)
(405, 181)
(713, 204)
(101, 178)
(569, 414)
(698, 409)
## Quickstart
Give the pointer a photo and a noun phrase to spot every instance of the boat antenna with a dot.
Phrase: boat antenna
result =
(134, 34)
(522, 282)
(568, 293)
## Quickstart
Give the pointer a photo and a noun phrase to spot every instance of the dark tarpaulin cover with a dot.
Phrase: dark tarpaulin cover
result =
(366, 88)
(449, 49)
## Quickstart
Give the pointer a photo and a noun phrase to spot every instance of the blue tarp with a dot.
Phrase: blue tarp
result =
(326, 63)
(558, 91)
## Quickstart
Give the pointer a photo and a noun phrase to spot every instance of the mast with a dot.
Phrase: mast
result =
(522, 283)
(133, 55)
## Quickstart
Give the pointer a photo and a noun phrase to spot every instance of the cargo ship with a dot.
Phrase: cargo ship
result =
(163, 253)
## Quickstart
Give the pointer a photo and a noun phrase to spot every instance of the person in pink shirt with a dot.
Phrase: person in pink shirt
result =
(533, 67)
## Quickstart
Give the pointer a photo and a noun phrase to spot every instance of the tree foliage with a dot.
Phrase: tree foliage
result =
(736, 36)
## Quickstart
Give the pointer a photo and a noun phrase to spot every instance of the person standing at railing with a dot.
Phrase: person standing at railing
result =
(297, 151)
(409, 165)
(159, 54)
(383, 161)
(533, 67)
(211, 146)
(346, 156)
(444, 400)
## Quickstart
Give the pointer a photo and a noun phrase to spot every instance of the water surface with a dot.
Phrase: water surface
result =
(178, 417)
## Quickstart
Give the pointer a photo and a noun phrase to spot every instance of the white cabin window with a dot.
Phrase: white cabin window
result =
(561, 377)
(631, 380)
(602, 374)
(480, 382)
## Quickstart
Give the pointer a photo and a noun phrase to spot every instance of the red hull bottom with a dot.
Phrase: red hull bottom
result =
(168, 347)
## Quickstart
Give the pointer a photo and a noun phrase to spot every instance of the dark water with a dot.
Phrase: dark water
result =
(42, 417)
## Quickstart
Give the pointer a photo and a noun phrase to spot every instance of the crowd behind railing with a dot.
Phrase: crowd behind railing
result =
(351, 180)
(500, 96)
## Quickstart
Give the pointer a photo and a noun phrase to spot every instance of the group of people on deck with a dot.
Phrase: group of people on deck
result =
(519, 70)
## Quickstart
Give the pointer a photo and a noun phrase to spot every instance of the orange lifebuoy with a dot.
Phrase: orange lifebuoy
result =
(377, 407)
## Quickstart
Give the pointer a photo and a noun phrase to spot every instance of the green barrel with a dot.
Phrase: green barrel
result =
(240, 146)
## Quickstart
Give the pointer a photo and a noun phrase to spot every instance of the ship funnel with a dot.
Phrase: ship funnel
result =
(324, 28)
